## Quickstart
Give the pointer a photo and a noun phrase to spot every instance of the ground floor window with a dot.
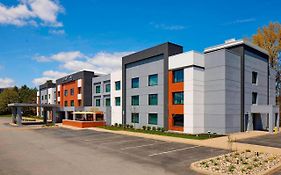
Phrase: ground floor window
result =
(107, 102)
(97, 102)
(152, 118)
(135, 118)
(72, 103)
(178, 120)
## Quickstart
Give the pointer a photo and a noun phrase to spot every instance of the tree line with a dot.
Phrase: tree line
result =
(23, 94)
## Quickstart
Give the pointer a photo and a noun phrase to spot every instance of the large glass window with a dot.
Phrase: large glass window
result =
(178, 98)
(72, 103)
(135, 117)
(153, 80)
(65, 92)
(152, 118)
(254, 98)
(107, 88)
(178, 76)
(97, 102)
(135, 82)
(98, 89)
(117, 85)
(135, 100)
(178, 120)
(254, 77)
(71, 91)
(117, 101)
(107, 102)
(153, 99)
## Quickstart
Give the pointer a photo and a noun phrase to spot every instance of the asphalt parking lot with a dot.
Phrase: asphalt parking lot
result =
(60, 150)
(273, 140)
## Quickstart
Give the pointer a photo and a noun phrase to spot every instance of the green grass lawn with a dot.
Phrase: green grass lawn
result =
(186, 136)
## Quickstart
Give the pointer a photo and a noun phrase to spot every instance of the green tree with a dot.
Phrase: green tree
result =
(6, 97)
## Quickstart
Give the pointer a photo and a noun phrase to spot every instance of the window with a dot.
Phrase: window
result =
(98, 89)
(152, 118)
(71, 92)
(178, 120)
(65, 92)
(135, 118)
(42, 98)
(49, 96)
(107, 88)
(72, 103)
(59, 94)
(135, 100)
(178, 98)
(107, 102)
(135, 82)
(153, 99)
(79, 103)
(117, 85)
(178, 76)
(97, 102)
(65, 103)
(79, 90)
(46, 97)
(117, 101)
(153, 80)
(254, 77)
(254, 98)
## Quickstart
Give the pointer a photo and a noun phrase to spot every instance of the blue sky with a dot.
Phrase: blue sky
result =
(46, 39)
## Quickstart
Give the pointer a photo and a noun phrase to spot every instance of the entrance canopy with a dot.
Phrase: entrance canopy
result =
(17, 111)
(270, 110)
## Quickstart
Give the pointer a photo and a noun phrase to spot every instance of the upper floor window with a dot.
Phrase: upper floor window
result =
(107, 88)
(72, 103)
(98, 89)
(117, 85)
(178, 98)
(71, 91)
(254, 77)
(178, 76)
(65, 103)
(117, 101)
(135, 82)
(153, 99)
(153, 80)
(135, 100)
(97, 102)
(107, 102)
(49, 96)
(79, 90)
(65, 92)
(46, 97)
(254, 98)
(58, 93)
(42, 98)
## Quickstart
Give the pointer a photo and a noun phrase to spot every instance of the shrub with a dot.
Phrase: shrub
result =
(149, 128)
(144, 127)
(163, 130)
(115, 124)
(127, 126)
(154, 128)
(120, 125)
(158, 128)
(248, 151)
(131, 126)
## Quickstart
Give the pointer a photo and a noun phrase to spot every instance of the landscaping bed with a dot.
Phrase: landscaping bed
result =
(246, 162)
(159, 131)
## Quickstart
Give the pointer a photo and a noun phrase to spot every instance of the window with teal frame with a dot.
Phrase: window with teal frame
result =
(135, 82)
(107, 102)
(178, 76)
(153, 118)
(153, 80)
(117, 85)
(117, 101)
(178, 98)
(107, 88)
(97, 102)
(135, 118)
(153, 99)
(98, 89)
(135, 100)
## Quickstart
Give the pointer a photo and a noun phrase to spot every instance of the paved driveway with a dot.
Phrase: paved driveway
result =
(273, 140)
(65, 151)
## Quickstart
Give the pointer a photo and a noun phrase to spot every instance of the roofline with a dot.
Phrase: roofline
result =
(235, 43)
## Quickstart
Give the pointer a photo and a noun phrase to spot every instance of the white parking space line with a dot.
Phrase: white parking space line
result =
(175, 150)
(103, 139)
(122, 141)
(140, 146)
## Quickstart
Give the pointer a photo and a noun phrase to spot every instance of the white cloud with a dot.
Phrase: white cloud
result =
(48, 75)
(57, 32)
(167, 27)
(61, 57)
(31, 12)
(6, 82)
(102, 62)
(240, 21)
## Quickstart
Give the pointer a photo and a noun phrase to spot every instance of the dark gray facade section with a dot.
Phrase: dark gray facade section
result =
(166, 49)
(47, 85)
(86, 77)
